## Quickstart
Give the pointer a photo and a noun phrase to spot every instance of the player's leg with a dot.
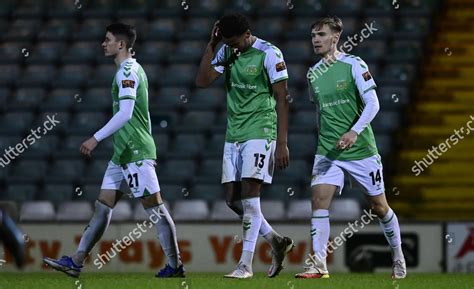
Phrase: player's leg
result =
(368, 173)
(255, 162)
(12, 238)
(144, 184)
(113, 186)
(166, 233)
(389, 223)
(98, 224)
(234, 202)
(233, 197)
(251, 222)
(327, 179)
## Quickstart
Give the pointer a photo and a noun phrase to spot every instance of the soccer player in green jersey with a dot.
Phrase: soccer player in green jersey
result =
(256, 139)
(344, 92)
(132, 168)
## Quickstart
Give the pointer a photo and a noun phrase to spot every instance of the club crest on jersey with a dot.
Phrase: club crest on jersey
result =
(341, 84)
(251, 69)
(128, 83)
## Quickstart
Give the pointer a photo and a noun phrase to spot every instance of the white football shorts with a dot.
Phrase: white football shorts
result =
(137, 179)
(368, 173)
(250, 159)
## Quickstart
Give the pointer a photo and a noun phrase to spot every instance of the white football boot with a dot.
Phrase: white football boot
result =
(241, 272)
(399, 269)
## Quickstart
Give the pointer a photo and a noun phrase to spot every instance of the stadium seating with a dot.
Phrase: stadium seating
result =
(221, 212)
(82, 211)
(190, 210)
(51, 51)
(34, 211)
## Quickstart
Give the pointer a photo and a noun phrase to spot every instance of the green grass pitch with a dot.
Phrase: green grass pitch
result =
(53, 280)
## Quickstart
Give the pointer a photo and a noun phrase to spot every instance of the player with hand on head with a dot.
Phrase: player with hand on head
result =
(256, 139)
(132, 168)
(344, 92)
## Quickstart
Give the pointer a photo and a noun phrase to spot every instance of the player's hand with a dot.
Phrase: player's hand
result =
(216, 36)
(282, 155)
(88, 146)
(347, 140)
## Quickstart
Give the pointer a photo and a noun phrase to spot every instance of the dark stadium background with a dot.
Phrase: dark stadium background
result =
(421, 57)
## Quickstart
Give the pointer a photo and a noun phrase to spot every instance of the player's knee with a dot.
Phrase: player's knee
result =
(320, 202)
(102, 209)
(236, 206)
(106, 202)
(379, 209)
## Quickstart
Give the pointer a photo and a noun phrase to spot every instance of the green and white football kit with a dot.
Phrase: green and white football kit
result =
(132, 168)
(251, 117)
(339, 91)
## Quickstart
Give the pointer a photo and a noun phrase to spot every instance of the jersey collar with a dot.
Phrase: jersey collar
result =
(338, 57)
(127, 60)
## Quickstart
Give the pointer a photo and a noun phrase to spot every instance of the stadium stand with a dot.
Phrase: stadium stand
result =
(443, 102)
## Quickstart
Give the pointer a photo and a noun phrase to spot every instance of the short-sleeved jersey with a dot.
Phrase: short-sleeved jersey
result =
(336, 89)
(133, 142)
(248, 78)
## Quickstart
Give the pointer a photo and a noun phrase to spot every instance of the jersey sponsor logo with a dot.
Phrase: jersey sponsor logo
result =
(251, 70)
(366, 75)
(280, 66)
(128, 83)
(334, 103)
(243, 85)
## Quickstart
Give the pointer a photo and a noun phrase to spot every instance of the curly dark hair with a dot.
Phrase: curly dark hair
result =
(233, 24)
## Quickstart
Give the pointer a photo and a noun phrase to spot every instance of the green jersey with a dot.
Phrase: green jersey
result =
(248, 78)
(133, 142)
(336, 89)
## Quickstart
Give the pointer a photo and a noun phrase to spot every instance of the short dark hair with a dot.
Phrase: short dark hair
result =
(124, 32)
(334, 23)
(233, 24)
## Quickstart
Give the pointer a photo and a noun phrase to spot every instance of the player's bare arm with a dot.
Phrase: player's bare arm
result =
(282, 154)
(206, 73)
(88, 146)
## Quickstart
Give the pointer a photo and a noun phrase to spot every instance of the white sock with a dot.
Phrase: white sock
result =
(391, 230)
(166, 234)
(320, 236)
(251, 223)
(93, 232)
(270, 235)
(266, 231)
(246, 259)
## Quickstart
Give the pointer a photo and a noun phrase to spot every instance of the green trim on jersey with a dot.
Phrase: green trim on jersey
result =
(335, 89)
(128, 97)
(133, 142)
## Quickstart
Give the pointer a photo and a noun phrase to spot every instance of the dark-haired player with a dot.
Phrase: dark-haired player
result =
(132, 168)
(344, 91)
(256, 80)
